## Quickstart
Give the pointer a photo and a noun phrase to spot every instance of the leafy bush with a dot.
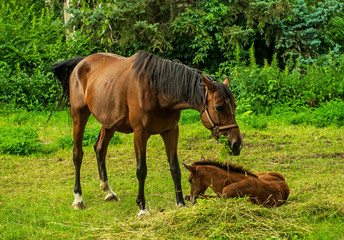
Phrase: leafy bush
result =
(212, 35)
(327, 114)
(90, 137)
(263, 89)
(189, 116)
(32, 39)
(37, 91)
(20, 141)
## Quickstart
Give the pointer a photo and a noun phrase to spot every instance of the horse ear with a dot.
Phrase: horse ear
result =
(208, 83)
(226, 82)
(188, 167)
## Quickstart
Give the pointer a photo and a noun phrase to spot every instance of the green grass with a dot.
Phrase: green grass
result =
(36, 190)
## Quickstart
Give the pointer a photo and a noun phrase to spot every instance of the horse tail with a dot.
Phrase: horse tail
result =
(62, 71)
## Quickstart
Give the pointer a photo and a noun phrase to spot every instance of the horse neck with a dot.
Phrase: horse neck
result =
(213, 177)
(185, 105)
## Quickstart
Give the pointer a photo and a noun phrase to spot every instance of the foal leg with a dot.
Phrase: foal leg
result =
(244, 188)
(171, 141)
(140, 142)
(100, 148)
(79, 122)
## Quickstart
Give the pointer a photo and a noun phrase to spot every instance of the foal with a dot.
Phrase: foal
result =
(229, 180)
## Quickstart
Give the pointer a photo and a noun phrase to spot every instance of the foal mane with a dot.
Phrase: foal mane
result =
(227, 166)
(174, 79)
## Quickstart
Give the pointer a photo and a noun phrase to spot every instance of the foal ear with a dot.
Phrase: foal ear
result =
(226, 82)
(208, 83)
(190, 168)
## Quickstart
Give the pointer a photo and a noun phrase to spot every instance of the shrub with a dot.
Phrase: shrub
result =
(19, 140)
(331, 113)
(189, 116)
(263, 89)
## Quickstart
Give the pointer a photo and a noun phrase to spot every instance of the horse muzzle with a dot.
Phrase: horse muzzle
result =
(235, 146)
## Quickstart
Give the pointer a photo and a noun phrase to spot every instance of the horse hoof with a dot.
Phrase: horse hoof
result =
(78, 205)
(112, 197)
(143, 213)
(181, 205)
(187, 197)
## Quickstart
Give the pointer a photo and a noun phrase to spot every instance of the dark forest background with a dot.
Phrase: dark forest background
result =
(279, 55)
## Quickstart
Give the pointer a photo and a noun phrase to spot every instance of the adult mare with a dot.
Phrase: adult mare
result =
(143, 94)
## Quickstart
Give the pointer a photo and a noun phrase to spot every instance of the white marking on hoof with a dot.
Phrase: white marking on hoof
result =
(180, 205)
(78, 202)
(143, 213)
(110, 195)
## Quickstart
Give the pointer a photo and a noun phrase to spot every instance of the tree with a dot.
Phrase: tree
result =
(303, 32)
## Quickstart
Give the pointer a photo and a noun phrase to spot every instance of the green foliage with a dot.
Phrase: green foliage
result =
(327, 114)
(303, 31)
(189, 116)
(31, 39)
(19, 141)
(251, 41)
(264, 89)
(335, 30)
(125, 26)
(30, 35)
(37, 91)
(212, 29)
(90, 137)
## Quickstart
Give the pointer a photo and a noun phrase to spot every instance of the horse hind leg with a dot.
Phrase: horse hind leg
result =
(79, 122)
(100, 148)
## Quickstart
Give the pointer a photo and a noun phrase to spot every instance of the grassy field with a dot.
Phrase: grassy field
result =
(36, 190)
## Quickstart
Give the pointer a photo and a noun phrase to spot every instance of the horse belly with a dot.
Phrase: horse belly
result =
(107, 103)
(112, 115)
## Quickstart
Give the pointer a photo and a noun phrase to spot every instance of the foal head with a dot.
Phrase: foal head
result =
(198, 187)
(218, 112)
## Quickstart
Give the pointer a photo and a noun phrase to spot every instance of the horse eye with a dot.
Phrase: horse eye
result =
(189, 179)
(219, 108)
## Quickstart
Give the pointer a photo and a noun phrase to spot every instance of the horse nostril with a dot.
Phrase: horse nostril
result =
(236, 147)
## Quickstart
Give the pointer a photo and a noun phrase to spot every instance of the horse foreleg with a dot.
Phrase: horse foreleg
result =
(171, 142)
(79, 123)
(140, 142)
(100, 148)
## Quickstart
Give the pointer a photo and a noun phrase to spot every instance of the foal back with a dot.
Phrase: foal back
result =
(268, 189)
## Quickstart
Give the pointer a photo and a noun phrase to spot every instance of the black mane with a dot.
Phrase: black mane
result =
(176, 80)
(228, 166)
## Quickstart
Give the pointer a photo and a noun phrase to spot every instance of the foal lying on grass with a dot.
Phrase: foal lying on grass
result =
(230, 180)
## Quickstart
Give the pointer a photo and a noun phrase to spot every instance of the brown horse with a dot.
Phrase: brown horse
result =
(143, 94)
(231, 180)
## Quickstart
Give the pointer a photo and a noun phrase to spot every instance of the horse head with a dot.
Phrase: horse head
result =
(197, 187)
(218, 112)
